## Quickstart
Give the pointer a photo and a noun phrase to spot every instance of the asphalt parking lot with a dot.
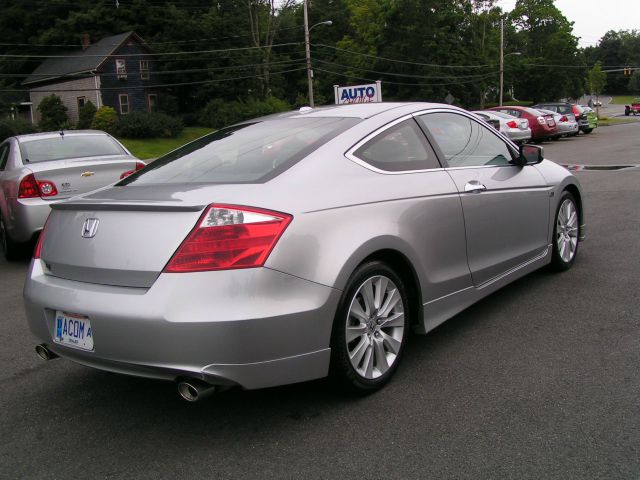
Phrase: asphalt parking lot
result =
(540, 380)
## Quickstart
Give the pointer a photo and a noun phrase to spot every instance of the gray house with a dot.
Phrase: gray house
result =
(114, 71)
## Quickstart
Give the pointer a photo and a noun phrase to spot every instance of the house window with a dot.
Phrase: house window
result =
(152, 102)
(144, 69)
(81, 102)
(121, 68)
(124, 103)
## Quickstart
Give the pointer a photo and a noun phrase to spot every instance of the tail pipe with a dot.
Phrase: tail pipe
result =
(193, 390)
(44, 353)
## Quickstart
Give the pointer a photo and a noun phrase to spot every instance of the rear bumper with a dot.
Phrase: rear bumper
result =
(253, 327)
(517, 135)
(26, 217)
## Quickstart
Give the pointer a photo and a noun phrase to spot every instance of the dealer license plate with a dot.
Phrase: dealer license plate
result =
(73, 330)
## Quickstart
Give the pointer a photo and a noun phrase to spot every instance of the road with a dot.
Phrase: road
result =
(540, 380)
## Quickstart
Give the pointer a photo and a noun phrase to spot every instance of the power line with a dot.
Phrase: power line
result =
(396, 61)
(405, 83)
(159, 72)
(150, 87)
(137, 55)
(408, 75)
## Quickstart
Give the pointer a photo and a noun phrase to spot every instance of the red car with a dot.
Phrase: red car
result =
(543, 126)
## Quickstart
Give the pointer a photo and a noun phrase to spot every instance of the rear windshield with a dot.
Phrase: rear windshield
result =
(246, 153)
(68, 146)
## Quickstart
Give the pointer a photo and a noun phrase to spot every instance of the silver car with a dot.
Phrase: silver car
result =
(567, 124)
(516, 129)
(283, 249)
(40, 169)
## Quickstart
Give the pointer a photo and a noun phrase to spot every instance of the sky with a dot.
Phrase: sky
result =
(593, 18)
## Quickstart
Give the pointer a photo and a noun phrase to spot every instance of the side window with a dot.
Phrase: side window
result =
(464, 142)
(4, 155)
(402, 147)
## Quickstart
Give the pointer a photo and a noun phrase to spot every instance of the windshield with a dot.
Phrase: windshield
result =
(246, 153)
(68, 146)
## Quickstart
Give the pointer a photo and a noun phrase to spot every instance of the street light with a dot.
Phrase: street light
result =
(308, 49)
(502, 55)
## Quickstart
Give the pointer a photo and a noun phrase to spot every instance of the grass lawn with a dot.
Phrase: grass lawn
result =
(148, 148)
(617, 121)
(623, 99)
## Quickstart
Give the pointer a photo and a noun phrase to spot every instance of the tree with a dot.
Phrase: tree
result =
(596, 80)
(53, 113)
(85, 115)
(545, 38)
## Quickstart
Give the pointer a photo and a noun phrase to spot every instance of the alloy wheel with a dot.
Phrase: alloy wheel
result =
(567, 230)
(375, 327)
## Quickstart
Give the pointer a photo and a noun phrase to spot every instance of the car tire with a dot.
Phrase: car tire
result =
(10, 249)
(566, 233)
(370, 329)
(587, 131)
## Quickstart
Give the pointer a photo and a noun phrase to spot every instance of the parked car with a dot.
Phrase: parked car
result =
(283, 248)
(567, 125)
(516, 129)
(41, 169)
(592, 116)
(543, 126)
(586, 122)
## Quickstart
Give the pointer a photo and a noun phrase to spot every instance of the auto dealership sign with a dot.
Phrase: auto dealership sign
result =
(358, 93)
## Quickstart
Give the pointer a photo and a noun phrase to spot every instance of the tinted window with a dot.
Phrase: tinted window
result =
(68, 146)
(246, 153)
(465, 142)
(4, 155)
(402, 147)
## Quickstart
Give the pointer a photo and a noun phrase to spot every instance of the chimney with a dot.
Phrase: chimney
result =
(86, 41)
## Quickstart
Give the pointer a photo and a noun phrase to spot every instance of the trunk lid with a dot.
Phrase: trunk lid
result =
(121, 244)
(82, 175)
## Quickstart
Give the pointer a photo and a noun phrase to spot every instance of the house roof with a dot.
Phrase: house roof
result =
(80, 60)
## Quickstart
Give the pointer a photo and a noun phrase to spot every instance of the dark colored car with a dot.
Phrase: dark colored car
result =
(543, 126)
(565, 108)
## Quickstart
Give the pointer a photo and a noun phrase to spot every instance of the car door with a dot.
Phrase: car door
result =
(506, 207)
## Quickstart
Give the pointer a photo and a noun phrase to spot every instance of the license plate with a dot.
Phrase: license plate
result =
(73, 330)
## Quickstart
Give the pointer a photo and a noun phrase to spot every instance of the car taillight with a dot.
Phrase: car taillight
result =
(38, 250)
(541, 121)
(139, 166)
(227, 237)
(32, 188)
(512, 124)
(564, 119)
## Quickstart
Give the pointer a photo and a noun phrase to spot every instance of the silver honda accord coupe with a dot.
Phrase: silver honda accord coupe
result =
(298, 245)
(40, 169)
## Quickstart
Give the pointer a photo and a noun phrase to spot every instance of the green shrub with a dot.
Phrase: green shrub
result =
(105, 119)
(53, 113)
(10, 128)
(219, 113)
(85, 115)
(149, 125)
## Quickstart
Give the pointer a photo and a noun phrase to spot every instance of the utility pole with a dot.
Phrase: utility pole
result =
(308, 52)
(501, 61)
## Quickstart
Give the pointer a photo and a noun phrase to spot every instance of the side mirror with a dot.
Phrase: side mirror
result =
(530, 155)
(494, 123)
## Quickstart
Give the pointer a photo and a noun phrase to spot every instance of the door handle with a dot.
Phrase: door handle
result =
(474, 187)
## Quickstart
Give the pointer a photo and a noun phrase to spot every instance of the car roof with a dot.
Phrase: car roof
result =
(359, 110)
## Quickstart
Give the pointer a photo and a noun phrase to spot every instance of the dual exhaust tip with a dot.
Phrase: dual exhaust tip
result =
(192, 390)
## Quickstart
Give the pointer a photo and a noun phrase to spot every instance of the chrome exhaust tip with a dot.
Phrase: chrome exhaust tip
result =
(44, 353)
(193, 390)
